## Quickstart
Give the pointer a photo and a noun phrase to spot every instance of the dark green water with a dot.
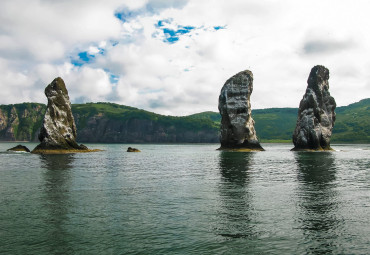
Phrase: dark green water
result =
(186, 199)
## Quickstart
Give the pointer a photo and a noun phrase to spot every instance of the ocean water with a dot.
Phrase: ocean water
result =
(186, 199)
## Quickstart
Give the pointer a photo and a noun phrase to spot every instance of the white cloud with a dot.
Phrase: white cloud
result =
(179, 68)
(47, 30)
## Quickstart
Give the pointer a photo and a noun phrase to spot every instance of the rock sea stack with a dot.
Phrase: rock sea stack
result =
(58, 131)
(19, 148)
(316, 114)
(237, 126)
(130, 149)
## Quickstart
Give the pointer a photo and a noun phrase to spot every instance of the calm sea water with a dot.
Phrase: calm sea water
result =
(186, 199)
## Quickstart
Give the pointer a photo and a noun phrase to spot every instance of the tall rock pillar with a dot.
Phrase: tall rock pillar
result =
(58, 130)
(316, 114)
(237, 125)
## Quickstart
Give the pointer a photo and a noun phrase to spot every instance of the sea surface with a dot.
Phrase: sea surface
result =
(185, 199)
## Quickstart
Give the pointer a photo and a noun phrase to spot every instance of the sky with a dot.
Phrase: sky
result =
(173, 57)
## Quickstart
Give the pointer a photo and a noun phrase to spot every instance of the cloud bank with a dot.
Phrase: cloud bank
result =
(172, 57)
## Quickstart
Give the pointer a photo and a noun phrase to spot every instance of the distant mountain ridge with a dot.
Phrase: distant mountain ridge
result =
(113, 123)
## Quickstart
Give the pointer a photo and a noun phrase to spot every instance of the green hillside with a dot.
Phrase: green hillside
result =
(268, 123)
(353, 123)
(108, 122)
(277, 124)
(126, 113)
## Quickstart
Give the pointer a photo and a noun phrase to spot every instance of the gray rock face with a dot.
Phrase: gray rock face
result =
(237, 125)
(58, 131)
(316, 114)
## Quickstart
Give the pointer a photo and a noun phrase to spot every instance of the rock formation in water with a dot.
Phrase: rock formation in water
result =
(130, 149)
(58, 131)
(316, 114)
(237, 125)
(19, 148)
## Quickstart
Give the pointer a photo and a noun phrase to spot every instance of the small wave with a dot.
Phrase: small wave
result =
(238, 235)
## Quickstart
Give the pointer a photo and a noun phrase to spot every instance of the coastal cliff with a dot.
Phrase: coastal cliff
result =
(21, 122)
(112, 123)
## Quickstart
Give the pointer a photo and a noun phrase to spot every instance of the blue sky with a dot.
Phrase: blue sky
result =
(173, 57)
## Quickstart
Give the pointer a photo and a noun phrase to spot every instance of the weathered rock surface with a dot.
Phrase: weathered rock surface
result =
(237, 124)
(316, 114)
(130, 149)
(19, 147)
(58, 131)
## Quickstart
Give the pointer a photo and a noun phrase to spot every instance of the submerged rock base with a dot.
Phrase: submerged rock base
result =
(317, 149)
(241, 149)
(246, 147)
(62, 151)
(42, 149)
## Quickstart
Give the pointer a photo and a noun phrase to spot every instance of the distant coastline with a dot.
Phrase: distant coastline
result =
(113, 123)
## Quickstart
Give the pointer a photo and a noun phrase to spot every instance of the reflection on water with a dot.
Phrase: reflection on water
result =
(57, 182)
(185, 199)
(318, 201)
(234, 167)
(57, 161)
(235, 208)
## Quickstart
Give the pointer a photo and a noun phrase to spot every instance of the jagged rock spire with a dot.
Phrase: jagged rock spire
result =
(58, 131)
(316, 114)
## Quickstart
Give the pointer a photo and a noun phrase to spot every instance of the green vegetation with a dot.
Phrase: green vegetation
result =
(213, 116)
(353, 123)
(272, 125)
(25, 120)
(123, 113)
(275, 124)
(31, 121)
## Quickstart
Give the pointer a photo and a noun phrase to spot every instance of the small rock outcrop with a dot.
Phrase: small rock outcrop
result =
(316, 114)
(237, 125)
(130, 149)
(58, 131)
(19, 147)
